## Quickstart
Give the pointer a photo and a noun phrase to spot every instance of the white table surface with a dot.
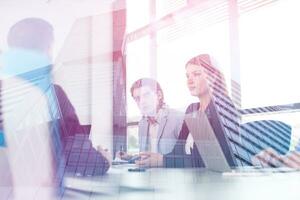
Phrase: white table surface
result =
(186, 184)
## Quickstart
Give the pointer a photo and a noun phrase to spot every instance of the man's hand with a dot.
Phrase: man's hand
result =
(270, 158)
(292, 159)
(123, 155)
(149, 159)
(107, 155)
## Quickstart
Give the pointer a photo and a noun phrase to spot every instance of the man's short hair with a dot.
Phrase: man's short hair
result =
(31, 33)
(152, 84)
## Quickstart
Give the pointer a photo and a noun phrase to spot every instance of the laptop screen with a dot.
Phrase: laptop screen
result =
(211, 140)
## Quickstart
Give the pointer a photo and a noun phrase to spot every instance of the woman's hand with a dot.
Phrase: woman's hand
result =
(123, 155)
(149, 159)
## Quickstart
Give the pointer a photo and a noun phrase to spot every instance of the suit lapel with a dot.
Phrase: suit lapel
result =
(143, 134)
(162, 121)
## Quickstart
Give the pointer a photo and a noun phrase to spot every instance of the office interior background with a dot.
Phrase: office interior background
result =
(102, 47)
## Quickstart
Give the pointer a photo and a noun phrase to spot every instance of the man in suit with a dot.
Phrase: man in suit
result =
(31, 132)
(159, 127)
(72, 133)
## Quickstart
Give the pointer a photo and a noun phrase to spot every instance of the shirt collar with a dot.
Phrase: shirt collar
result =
(156, 118)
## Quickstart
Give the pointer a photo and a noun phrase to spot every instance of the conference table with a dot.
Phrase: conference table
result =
(187, 184)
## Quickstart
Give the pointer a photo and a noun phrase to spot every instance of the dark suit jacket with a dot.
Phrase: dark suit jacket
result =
(178, 157)
(69, 119)
(80, 156)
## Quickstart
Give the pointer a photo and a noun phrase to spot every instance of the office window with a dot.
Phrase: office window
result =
(138, 66)
(138, 14)
(269, 48)
(164, 7)
(181, 41)
(160, 48)
(132, 139)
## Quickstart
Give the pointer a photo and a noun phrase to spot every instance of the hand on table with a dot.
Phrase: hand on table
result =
(292, 159)
(106, 154)
(149, 159)
(123, 155)
(270, 158)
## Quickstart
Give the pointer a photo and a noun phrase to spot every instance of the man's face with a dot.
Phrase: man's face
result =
(147, 100)
(197, 80)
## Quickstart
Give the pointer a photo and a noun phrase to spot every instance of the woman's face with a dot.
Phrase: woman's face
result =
(197, 81)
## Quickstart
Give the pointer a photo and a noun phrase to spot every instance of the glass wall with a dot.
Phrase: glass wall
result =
(253, 43)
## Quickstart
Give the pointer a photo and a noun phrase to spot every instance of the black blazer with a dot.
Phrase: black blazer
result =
(80, 157)
(178, 157)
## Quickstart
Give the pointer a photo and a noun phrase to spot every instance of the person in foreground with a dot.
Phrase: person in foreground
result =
(30, 127)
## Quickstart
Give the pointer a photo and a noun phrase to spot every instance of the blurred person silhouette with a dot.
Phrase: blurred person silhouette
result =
(159, 127)
(33, 158)
(32, 129)
(5, 175)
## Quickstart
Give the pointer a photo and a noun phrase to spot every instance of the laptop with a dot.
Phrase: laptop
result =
(213, 147)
